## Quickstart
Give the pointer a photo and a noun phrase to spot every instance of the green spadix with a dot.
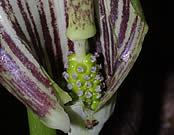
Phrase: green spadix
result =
(83, 77)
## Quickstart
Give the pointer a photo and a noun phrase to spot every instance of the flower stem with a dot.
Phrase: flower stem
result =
(36, 127)
(80, 49)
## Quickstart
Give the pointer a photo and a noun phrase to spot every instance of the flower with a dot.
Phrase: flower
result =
(33, 42)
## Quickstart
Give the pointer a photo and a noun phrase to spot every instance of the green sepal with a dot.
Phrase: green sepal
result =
(137, 6)
(62, 95)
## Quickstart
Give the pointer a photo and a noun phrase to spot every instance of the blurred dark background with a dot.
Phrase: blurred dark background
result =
(145, 103)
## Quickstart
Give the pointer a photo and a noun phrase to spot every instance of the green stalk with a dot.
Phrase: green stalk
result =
(36, 127)
(80, 49)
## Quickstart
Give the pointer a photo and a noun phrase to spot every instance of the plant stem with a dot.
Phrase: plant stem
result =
(36, 127)
(80, 49)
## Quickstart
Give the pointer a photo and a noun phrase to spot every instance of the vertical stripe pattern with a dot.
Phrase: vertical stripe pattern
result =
(119, 18)
(42, 25)
(20, 73)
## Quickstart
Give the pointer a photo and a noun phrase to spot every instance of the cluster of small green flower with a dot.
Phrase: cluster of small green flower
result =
(84, 80)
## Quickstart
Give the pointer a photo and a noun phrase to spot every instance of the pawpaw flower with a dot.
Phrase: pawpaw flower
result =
(65, 59)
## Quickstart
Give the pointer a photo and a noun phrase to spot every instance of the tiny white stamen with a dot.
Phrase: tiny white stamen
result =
(98, 89)
(78, 84)
(93, 70)
(89, 103)
(1, 59)
(93, 58)
(100, 66)
(126, 56)
(98, 95)
(88, 95)
(86, 77)
(80, 93)
(69, 86)
(89, 85)
(102, 17)
(65, 75)
(101, 79)
(66, 65)
(74, 76)
(96, 54)
(97, 77)
(80, 69)
(103, 85)
(70, 53)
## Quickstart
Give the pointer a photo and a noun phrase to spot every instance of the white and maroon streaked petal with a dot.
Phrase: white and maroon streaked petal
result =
(20, 73)
(43, 24)
(120, 40)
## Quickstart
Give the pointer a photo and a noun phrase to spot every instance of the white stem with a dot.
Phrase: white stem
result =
(80, 49)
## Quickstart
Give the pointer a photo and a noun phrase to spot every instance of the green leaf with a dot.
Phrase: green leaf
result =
(137, 6)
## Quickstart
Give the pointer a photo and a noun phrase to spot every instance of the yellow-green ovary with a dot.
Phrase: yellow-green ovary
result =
(84, 80)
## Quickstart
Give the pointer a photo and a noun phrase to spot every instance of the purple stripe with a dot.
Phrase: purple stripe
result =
(123, 25)
(26, 88)
(114, 11)
(29, 28)
(123, 71)
(70, 46)
(25, 61)
(66, 12)
(31, 103)
(1, 58)
(129, 65)
(47, 37)
(113, 17)
(131, 38)
(98, 45)
(106, 35)
(70, 43)
(40, 50)
(114, 50)
(126, 49)
(9, 11)
(112, 82)
(55, 31)
(59, 66)
(13, 90)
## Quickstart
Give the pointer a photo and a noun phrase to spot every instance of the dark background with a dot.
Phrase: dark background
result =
(145, 103)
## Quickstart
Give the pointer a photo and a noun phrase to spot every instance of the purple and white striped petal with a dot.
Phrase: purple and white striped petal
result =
(20, 73)
(42, 24)
(120, 40)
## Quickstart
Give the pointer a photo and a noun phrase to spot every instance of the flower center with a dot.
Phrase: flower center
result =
(84, 80)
